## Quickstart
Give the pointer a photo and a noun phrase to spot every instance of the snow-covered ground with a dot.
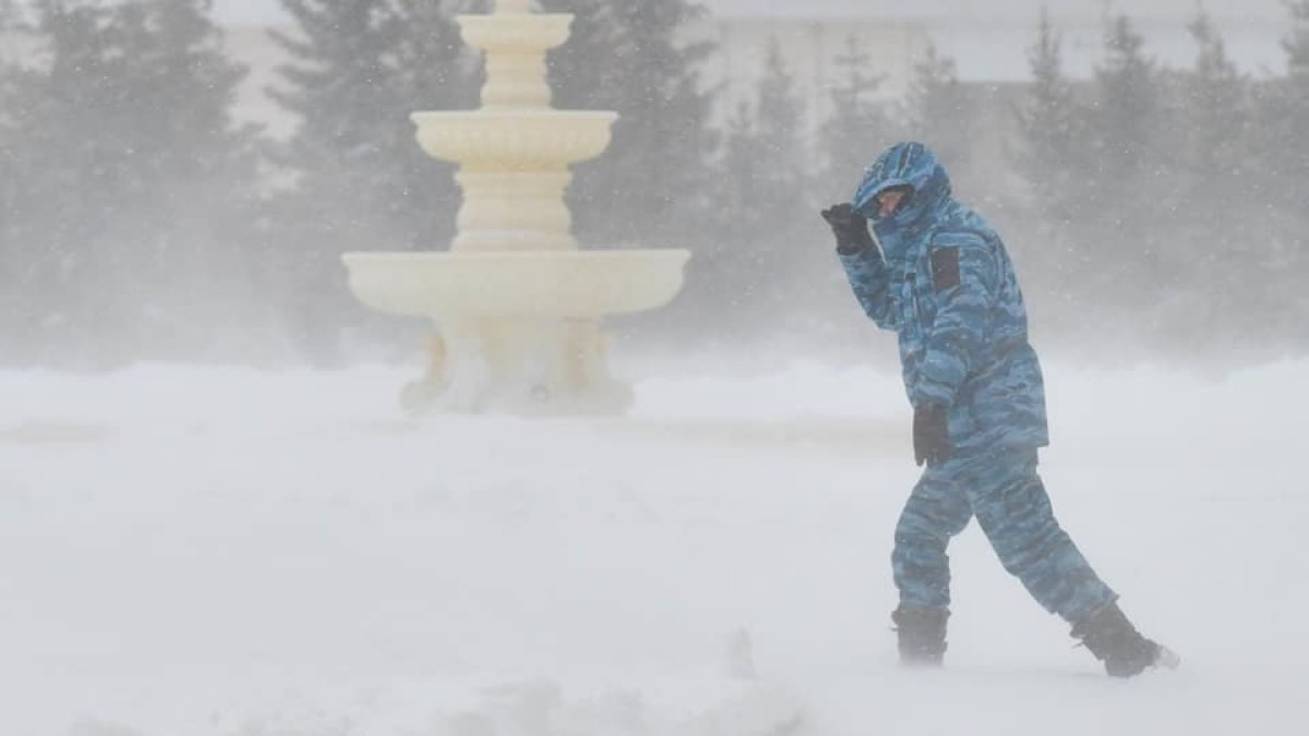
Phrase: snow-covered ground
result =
(197, 552)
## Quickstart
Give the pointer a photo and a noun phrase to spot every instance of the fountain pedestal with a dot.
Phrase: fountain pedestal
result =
(516, 305)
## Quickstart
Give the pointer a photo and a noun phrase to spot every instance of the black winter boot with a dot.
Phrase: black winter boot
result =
(1114, 641)
(922, 635)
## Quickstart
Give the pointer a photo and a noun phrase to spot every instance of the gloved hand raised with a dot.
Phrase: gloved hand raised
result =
(931, 434)
(849, 227)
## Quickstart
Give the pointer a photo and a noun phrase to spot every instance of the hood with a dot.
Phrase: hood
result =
(904, 164)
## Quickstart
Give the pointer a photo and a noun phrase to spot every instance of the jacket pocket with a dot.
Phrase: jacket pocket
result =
(1011, 403)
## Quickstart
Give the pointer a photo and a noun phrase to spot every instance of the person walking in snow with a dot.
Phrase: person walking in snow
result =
(943, 280)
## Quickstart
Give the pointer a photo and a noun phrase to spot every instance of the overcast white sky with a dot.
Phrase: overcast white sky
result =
(267, 11)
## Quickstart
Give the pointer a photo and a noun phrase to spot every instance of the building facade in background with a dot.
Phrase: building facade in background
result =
(987, 46)
(810, 47)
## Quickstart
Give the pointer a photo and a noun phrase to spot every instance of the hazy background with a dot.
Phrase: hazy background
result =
(205, 547)
(178, 179)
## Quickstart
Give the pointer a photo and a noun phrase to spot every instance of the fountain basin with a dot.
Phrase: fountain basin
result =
(514, 140)
(535, 285)
(516, 31)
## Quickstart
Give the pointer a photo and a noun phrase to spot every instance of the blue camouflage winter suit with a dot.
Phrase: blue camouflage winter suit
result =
(943, 281)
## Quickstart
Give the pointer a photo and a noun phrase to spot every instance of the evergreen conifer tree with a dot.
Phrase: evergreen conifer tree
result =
(136, 183)
(358, 69)
(1297, 43)
(435, 70)
(1284, 114)
(199, 171)
(1131, 187)
(652, 186)
(858, 128)
(742, 161)
(51, 218)
(1051, 158)
(779, 121)
(938, 111)
(1050, 154)
(11, 15)
(1126, 114)
(11, 102)
(1214, 253)
(1283, 153)
(1218, 105)
(756, 262)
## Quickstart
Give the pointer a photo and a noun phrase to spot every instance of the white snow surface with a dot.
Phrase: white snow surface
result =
(202, 552)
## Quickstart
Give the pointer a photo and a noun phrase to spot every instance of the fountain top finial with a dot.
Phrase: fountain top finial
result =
(513, 6)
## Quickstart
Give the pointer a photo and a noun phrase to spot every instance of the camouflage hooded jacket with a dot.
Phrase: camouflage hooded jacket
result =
(943, 280)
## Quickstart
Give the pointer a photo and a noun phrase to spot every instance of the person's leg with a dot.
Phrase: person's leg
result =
(937, 510)
(1014, 511)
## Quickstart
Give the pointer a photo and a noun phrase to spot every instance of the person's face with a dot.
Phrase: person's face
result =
(889, 201)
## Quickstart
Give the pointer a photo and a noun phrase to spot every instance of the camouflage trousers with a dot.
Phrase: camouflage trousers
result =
(1006, 495)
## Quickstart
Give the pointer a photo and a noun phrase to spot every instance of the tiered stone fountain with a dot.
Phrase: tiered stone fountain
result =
(517, 305)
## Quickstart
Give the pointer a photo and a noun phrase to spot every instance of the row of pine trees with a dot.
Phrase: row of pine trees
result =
(1172, 202)
(1157, 208)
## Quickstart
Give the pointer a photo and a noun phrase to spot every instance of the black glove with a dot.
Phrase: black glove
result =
(850, 228)
(931, 435)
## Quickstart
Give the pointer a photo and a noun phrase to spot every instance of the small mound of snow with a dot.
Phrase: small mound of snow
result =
(540, 708)
(101, 728)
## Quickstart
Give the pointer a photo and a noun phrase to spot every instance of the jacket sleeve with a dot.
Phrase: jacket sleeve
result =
(870, 278)
(965, 280)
